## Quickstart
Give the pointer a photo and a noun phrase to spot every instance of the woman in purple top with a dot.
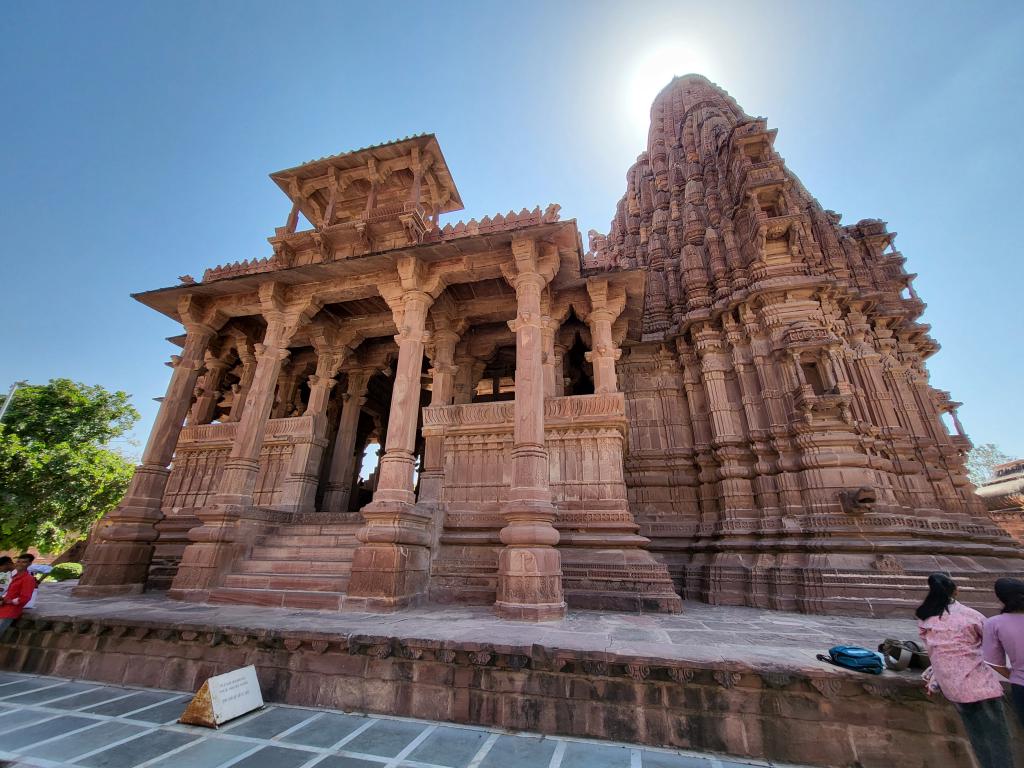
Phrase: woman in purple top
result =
(1004, 640)
(952, 632)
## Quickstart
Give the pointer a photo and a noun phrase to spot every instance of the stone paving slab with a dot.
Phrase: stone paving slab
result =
(39, 734)
(702, 633)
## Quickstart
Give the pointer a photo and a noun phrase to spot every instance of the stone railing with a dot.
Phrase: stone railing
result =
(277, 430)
(203, 450)
(584, 435)
(604, 408)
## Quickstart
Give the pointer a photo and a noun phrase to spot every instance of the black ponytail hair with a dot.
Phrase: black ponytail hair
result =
(1011, 594)
(941, 589)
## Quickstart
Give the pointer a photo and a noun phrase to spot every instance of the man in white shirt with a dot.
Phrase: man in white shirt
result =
(6, 572)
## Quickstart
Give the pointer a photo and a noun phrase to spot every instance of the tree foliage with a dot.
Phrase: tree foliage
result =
(982, 460)
(57, 471)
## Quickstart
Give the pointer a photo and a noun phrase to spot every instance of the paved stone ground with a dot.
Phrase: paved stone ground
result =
(47, 722)
(702, 633)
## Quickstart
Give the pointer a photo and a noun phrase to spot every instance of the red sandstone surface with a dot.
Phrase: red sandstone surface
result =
(733, 680)
(725, 400)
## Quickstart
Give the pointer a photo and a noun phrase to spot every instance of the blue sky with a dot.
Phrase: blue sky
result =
(137, 138)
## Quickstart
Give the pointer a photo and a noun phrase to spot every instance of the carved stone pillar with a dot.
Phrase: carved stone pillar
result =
(466, 368)
(205, 406)
(218, 541)
(118, 560)
(529, 567)
(606, 305)
(551, 364)
(298, 492)
(442, 391)
(245, 354)
(390, 568)
(560, 350)
(956, 423)
(341, 476)
(286, 389)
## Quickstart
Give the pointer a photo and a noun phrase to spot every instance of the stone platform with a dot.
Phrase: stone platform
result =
(737, 681)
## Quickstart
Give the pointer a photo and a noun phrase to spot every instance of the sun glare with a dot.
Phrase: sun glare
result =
(656, 69)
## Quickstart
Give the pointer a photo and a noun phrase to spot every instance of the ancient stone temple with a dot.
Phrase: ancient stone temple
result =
(724, 399)
(1003, 496)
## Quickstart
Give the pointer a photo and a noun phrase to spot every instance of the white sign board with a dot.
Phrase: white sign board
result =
(224, 698)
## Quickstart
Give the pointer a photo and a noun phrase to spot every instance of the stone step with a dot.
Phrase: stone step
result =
(318, 568)
(319, 540)
(286, 582)
(303, 554)
(270, 598)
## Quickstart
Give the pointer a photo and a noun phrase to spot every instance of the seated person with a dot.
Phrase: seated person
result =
(18, 594)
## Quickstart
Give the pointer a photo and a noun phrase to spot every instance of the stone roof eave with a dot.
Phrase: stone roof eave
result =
(165, 300)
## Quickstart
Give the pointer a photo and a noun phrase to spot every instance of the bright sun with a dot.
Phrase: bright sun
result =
(655, 69)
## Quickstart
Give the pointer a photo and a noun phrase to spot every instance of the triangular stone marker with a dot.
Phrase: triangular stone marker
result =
(224, 697)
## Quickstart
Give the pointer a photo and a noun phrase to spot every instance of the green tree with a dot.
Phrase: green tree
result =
(57, 471)
(982, 460)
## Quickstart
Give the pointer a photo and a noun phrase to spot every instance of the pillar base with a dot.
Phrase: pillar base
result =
(387, 577)
(114, 568)
(214, 548)
(202, 567)
(391, 568)
(530, 584)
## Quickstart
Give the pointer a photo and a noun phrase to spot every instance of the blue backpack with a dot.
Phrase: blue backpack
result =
(855, 658)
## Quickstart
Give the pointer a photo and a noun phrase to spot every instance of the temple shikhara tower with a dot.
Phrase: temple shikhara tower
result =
(723, 399)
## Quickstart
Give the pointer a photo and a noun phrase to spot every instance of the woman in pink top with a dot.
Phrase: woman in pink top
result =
(953, 633)
(1004, 640)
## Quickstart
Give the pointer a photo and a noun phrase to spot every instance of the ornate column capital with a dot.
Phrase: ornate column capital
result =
(263, 350)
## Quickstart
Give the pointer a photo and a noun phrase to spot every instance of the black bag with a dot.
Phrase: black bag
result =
(904, 654)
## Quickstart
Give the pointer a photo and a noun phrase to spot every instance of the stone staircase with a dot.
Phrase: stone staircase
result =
(295, 565)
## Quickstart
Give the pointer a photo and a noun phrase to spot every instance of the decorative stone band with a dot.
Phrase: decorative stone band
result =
(278, 430)
(606, 409)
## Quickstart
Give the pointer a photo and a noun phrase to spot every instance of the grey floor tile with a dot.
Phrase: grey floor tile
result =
(270, 722)
(129, 704)
(385, 738)
(453, 747)
(519, 752)
(343, 761)
(89, 699)
(104, 732)
(163, 713)
(10, 677)
(204, 754)
(137, 750)
(23, 686)
(275, 757)
(325, 731)
(662, 760)
(583, 755)
(16, 718)
(26, 737)
(47, 694)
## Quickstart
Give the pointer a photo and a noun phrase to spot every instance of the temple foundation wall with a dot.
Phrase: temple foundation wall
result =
(793, 713)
